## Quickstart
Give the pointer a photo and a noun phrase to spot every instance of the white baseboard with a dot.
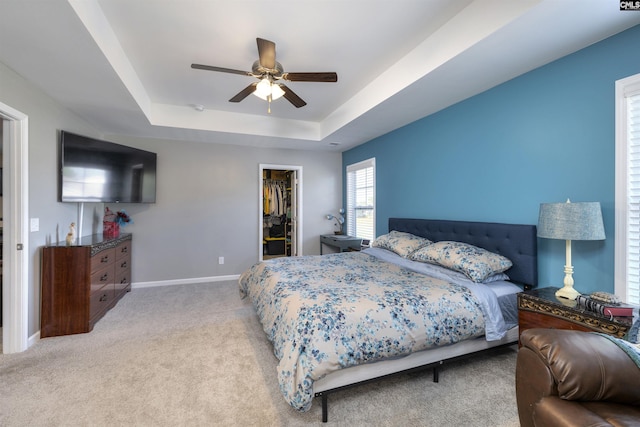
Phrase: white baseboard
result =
(33, 339)
(141, 285)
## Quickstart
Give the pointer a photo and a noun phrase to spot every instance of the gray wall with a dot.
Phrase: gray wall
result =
(207, 206)
(46, 117)
(207, 200)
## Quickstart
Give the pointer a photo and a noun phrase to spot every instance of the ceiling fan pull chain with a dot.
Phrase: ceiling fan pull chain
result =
(269, 105)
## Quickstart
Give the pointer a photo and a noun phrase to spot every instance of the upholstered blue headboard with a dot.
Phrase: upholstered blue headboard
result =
(517, 242)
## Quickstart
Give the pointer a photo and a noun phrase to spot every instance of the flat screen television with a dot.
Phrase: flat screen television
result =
(92, 170)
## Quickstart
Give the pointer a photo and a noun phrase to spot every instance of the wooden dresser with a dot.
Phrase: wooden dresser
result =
(80, 283)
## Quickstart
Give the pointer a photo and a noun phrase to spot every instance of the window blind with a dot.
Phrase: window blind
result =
(361, 195)
(633, 198)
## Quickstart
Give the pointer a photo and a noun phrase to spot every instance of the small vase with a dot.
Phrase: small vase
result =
(110, 229)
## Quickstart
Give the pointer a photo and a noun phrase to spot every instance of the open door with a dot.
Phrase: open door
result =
(280, 231)
(15, 247)
(295, 242)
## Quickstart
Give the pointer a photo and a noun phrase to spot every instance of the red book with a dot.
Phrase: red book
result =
(622, 310)
(607, 309)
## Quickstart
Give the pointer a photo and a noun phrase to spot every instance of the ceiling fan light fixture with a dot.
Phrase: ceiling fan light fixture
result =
(263, 89)
(266, 88)
(276, 91)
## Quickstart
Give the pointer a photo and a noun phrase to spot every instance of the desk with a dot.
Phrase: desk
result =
(539, 308)
(341, 242)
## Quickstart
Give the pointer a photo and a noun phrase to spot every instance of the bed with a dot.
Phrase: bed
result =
(339, 320)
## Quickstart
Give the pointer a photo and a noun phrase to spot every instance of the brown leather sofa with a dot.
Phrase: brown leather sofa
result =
(573, 378)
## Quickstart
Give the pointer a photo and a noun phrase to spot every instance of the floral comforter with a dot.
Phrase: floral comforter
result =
(324, 313)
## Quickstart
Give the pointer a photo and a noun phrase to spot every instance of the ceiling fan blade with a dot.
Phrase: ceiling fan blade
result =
(311, 77)
(267, 53)
(244, 92)
(292, 97)
(222, 70)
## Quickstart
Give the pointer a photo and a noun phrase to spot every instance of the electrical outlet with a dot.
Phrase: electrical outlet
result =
(220, 260)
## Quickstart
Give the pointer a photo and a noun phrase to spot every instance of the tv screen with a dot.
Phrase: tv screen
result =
(93, 170)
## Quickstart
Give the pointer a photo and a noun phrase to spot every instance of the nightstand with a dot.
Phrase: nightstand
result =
(539, 308)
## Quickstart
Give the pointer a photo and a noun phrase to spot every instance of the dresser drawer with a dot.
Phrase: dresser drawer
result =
(103, 259)
(102, 277)
(123, 275)
(123, 250)
(123, 281)
(122, 265)
(101, 300)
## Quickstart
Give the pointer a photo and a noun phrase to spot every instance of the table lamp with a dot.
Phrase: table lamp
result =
(570, 221)
(339, 220)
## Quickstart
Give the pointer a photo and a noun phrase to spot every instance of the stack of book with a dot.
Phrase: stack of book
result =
(605, 308)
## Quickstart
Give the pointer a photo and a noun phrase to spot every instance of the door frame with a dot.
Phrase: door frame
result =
(15, 289)
(296, 211)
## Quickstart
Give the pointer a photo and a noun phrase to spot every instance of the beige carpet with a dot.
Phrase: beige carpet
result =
(195, 355)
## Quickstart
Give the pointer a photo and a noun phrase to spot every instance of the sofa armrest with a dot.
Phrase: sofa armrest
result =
(534, 382)
(585, 366)
(553, 411)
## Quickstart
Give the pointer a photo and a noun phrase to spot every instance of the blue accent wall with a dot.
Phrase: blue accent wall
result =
(545, 136)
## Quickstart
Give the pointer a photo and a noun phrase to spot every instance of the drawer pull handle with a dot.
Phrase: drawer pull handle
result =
(124, 250)
(104, 277)
(124, 280)
(104, 259)
(123, 265)
(103, 298)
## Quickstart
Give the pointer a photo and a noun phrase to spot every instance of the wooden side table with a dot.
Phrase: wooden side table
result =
(540, 308)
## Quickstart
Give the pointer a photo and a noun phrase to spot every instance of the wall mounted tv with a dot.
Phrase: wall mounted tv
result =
(92, 170)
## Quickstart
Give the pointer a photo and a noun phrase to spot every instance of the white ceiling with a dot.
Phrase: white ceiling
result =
(124, 65)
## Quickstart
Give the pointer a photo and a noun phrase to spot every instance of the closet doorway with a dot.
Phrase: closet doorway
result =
(280, 213)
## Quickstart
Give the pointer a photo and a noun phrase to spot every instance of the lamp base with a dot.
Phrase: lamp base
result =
(568, 292)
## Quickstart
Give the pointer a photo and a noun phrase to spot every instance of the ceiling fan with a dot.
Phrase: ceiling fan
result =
(268, 71)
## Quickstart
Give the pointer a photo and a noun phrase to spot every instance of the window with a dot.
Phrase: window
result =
(627, 205)
(361, 199)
